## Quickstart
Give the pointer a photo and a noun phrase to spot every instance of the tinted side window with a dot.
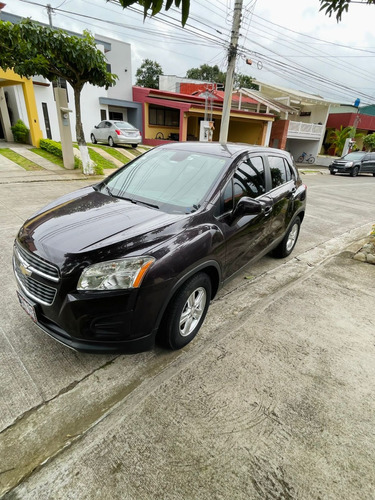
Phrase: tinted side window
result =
(289, 171)
(249, 178)
(279, 173)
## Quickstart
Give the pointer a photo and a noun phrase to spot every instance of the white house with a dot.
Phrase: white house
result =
(97, 103)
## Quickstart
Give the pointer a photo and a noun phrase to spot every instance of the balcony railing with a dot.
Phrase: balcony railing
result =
(301, 130)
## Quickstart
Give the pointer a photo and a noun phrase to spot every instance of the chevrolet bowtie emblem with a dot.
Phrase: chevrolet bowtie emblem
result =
(25, 270)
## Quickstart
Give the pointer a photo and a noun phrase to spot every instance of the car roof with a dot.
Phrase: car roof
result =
(229, 149)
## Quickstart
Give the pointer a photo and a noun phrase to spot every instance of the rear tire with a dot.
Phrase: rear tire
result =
(354, 172)
(110, 142)
(186, 312)
(287, 245)
(311, 160)
(300, 159)
(134, 146)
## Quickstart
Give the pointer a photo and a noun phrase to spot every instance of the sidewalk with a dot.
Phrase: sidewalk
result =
(10, 172)
(275, 399)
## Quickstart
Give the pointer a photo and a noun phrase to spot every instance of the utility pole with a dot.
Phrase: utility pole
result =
(49, 12)
(232, 55)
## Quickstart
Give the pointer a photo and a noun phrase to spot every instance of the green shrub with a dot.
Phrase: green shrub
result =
(55, 148)
(20, 132)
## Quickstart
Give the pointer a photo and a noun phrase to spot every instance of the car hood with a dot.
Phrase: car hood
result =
(89, 221)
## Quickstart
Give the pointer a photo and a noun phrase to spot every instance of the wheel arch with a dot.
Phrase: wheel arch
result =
(211, 268)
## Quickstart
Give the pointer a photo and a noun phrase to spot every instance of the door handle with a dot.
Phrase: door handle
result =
(267, 209)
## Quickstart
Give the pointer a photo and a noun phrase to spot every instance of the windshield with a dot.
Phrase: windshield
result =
(124, 125)
(357, 155)
(174, 181)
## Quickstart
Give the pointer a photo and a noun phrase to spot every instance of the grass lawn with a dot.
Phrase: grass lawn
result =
(112, 151)
(49, 156)
(20, 160)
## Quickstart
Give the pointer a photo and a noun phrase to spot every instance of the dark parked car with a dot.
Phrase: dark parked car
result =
(354, 163)
(142, 253)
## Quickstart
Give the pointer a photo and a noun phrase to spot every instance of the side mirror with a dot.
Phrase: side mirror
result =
(96, 126)
(248, 206)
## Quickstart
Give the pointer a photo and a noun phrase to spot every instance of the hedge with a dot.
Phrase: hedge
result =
(55, 148)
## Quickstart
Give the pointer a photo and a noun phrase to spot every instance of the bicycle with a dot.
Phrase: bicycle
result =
(309, 159)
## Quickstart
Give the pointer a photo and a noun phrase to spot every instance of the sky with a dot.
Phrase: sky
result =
(290, 42)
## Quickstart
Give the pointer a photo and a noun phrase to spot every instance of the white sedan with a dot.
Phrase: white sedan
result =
(116, 132)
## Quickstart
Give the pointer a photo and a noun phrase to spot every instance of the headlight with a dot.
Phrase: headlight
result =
(115, 274)
(349, 164)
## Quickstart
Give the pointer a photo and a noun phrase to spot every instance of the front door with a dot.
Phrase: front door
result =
(246, 235)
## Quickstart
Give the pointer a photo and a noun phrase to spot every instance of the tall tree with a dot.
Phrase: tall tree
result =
(31, 49)
(244, 81)
(207, 73)
(148, 73)
(338, 7)
(155, 6)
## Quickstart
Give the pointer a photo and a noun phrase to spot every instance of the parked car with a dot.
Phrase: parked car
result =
(141, 254)
(354, 163)
(116, 132)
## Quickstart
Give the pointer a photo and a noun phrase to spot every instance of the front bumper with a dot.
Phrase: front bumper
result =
(340, 169)
(91, 323)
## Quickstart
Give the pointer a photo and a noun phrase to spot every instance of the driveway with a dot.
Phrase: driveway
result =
(274, 399)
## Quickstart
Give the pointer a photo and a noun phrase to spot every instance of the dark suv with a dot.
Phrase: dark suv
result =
(142, 253)
(354, 163)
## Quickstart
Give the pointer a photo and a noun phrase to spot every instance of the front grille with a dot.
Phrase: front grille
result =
(28, 268)
(36, 290)
(37, 265)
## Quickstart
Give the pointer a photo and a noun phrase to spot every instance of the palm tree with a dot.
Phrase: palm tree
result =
(338, 137)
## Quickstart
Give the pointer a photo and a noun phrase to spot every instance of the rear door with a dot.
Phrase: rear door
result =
(368, 163)
(100, 131)
(282, 187)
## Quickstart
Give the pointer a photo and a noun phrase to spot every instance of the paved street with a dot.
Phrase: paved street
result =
(273, 399)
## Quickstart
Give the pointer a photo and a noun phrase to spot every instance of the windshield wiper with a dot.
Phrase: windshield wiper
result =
(132, 200)
(146, 203)
(108, 190)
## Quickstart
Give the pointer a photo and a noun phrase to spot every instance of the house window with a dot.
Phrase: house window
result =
(166, 117)
(114, 115)
(46, 120)
(103, 114)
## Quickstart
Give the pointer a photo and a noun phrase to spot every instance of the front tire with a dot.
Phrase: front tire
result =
(354, 172)
(110, 142)
(287, 245)
(311, 160)
(93, 139)
(186, 312)
(300, 159)
(332, 172)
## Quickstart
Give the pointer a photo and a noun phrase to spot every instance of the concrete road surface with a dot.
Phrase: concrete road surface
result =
(274, 399)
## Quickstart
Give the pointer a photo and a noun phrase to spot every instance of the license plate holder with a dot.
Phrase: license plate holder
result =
(27, 306)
